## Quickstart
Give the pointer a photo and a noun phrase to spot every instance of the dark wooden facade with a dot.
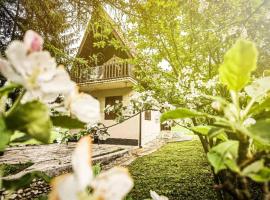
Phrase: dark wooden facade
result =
(110, 62)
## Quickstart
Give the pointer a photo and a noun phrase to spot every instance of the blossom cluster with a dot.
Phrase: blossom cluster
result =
(191, 88)
(203, 5)
(37, 72)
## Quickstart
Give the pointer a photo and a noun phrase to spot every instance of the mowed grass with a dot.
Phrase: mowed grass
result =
(177, 170)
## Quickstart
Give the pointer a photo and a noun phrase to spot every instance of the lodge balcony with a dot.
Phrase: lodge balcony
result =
(115, 73)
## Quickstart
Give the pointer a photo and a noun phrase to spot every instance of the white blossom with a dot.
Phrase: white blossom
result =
(216, 105)
(249, 121)
(203, 6)
(111, 185)
(268, 15)
(244, 33)
(84, 107)
(155, 196)
(183, 33)
(38, 73)
(233, 30)
(35, 70)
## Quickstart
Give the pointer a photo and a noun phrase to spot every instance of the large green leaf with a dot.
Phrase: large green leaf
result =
(33, 119)
(224, 156)
(260, 131)
(257, 171)
(180, 113)
(67, 122)
(239, 62)
(5, 134)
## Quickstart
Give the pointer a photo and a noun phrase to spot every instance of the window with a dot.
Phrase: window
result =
(147, 115)
(165, 127)
(111, 101)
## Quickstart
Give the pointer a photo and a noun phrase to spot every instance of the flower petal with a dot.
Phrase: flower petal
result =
(43, 64)
(85, 108)
(113, 184)
(59, 84)
(37, 94)
(33, 41)
(16, 53)
(64, 188)
(81, 163)
(155, 196)
(8, 72)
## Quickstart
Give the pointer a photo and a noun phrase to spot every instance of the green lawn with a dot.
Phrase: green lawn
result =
(177, 170)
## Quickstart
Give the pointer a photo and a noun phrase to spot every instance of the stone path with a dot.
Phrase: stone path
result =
(55, 158)
(128, 158)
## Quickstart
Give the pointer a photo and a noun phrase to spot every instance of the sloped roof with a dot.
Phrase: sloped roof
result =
(116, 32)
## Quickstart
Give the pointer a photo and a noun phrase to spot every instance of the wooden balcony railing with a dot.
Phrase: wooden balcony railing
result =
(114, 68)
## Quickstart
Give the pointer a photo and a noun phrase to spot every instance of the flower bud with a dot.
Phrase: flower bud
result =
(216, 105)
(249, 121)
(33, 41)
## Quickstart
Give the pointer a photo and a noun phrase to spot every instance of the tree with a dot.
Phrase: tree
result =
(190, 39)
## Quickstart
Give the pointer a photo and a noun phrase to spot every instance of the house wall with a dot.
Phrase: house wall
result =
(150, 128)
(127, 130)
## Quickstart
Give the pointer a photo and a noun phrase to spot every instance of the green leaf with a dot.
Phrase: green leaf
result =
(261, 176)
(261, 147)
(218, 133)
(239, 62)
(24, 181)
(33, 119)
(259, 107)
(260, 131)
(257, 171)
(5, 134)
(180, 113)
(203, 130)
(96, 169)
(224, 155)
(23, 138)
(8, 88)
(253, 168)
(211, 132)
(65, 121)
(232, 165)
